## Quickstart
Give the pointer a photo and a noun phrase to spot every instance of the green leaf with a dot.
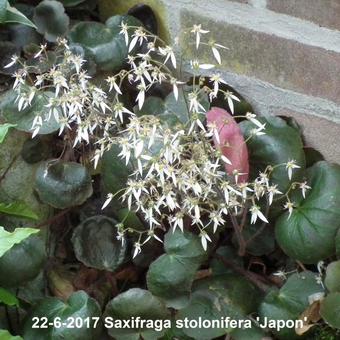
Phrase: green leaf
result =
(22, 262)
(236, 290)
(71, 3)
(330, 309)
(102, 42)
(5, 335)
(24, 118)
(114, 171)
(309, 234)
(63, 184)
(140, 303)
(173, 285)
(184, 254)
(3, 10)
(95, 244)
(4, 130)
(184, 245)
(8, 240)
(332, 279)
(79, 305)
(8, 298)
(51, 19)
(209, 305)
(290, 301)
(15, 16)
(280, 144)
(18, 209)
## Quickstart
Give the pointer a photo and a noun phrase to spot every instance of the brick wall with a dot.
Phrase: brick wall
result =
(284, 56)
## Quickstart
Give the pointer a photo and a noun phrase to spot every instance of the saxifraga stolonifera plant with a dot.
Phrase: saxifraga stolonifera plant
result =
(184, 174)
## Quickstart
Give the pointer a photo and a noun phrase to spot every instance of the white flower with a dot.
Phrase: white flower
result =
(141, 95)
(177, 221)
(42, 49)
(204, 239)
(137, 250)
(14, 60)
(290, 206)
(256, 213)
(216, 52)
(151, 234)
(290, 166)
(216, 79)
(139, 35)
(197, 30)
(108, 200)
(168, 52)
(124, 30)
(174, 82)
(272, 190)
(230, 97)
(113, 84)
(304, 187)
(251, 117)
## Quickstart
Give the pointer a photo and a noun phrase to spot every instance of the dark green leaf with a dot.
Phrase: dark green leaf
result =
(102, 42)
(79, 305)
(208, 305)
(63, 184)
(330, 309)
(71, 3)
(184, 254)
(173, 285)
(136, 303)
(22, 262)
(184, 245)
(332, 279)
(280, 144)
(114, 171)
(15, 16)
(8, 240)
(290, 301)
(3, 10)
(95, 244)
(24, 118)
(309, 234)
(51, 19)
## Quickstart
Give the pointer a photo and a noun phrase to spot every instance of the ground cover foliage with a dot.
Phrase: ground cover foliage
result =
(132, 188)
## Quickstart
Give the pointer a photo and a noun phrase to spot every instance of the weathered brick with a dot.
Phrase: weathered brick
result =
(323, 12)
(282, 62)
(320, 134)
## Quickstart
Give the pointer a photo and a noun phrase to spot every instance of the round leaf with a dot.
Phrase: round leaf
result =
(103, 42)
(22, 262)
(290, 301)
(63, 184)
(309, 234)
(51, 19)
(330, 309)
(114, 171)
(140, 303)
(332, 279)
(95, 243)
(184, 245)
(79, 305)
(24, 118)
(171, 277)
(280, 144)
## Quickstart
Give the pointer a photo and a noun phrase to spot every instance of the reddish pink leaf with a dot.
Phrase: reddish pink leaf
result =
(232, 143)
